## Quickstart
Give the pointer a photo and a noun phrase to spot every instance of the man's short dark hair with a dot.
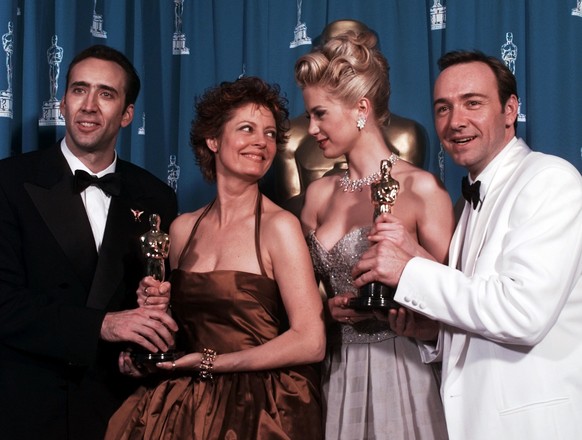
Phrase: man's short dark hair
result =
(106, 53)
(506, 83)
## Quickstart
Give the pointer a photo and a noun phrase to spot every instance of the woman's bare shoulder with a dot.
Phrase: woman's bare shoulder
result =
(321, 188)
(185, 222)
(418, 180)
(276, 217)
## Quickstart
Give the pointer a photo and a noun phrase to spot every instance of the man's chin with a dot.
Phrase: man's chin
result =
(460, 159)
(88, 148)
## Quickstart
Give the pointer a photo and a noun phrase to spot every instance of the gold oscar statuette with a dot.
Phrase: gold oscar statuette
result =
(155, 246)
(376, 295)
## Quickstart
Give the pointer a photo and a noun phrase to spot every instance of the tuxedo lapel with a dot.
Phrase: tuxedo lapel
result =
(110, 268)
(499, 185)
(126, 221)
(456, 246)
(454, 338)
(64, 214)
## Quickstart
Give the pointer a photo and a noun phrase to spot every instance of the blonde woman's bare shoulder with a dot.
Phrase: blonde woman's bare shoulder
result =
(321, 189)
(317, 195)
(416, 179)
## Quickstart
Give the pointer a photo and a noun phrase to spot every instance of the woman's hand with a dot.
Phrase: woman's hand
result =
(339, 310)
(188, 362)
(153, 293)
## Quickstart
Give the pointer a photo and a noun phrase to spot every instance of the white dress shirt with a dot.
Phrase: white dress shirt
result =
(96, 201)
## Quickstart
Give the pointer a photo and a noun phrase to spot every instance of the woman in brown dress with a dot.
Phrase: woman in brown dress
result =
(243, 293)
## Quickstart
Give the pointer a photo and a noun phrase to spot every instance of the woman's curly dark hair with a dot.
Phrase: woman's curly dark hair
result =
(217, 106)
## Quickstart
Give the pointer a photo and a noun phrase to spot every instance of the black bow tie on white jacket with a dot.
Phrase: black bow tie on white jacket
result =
(471, 192)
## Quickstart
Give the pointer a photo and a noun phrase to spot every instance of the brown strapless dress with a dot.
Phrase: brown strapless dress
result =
(228, 311)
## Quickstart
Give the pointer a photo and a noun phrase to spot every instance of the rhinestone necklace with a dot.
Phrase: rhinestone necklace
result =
(349, 185)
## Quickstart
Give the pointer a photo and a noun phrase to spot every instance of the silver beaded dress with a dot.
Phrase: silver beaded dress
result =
(374, 383)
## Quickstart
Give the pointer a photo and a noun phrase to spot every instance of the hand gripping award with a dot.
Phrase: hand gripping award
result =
(384, 191)
(155, 245)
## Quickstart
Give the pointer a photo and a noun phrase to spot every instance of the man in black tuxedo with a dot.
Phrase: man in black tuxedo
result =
(70, 263)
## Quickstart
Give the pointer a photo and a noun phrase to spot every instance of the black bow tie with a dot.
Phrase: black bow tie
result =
(109, 183)
(471, 192)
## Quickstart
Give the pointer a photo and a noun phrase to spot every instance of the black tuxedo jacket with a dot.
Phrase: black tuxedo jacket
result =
(58, 380)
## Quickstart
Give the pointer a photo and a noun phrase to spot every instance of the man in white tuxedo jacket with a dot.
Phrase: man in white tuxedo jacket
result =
(510, 301)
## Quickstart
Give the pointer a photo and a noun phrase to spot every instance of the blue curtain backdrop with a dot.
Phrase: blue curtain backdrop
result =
(182, 47)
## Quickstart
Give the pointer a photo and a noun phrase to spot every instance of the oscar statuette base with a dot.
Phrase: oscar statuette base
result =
(374, 296)
(143, 357)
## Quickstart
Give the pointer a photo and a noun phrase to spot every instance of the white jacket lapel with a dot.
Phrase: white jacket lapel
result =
(498, 185)
(456, 246)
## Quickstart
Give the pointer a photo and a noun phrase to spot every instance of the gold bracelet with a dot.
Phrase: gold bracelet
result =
(207, 363)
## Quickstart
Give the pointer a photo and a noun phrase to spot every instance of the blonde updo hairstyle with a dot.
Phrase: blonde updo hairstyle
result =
(349, 66)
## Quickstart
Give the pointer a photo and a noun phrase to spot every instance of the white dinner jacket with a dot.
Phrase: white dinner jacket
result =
(511, 341)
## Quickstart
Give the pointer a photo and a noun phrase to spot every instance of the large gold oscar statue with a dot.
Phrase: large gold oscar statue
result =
(376, 295)
(300, 161)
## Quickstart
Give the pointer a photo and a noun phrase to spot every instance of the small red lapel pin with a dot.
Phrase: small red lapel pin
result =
(136, 215)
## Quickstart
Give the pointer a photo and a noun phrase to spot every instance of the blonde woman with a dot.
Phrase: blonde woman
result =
(375, 383)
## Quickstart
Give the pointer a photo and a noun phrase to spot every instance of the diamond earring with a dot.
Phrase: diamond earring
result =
(361, 122)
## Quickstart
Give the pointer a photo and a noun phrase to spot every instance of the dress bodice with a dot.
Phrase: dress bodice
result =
(247, 306)
(334, 268)
(225, 309)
